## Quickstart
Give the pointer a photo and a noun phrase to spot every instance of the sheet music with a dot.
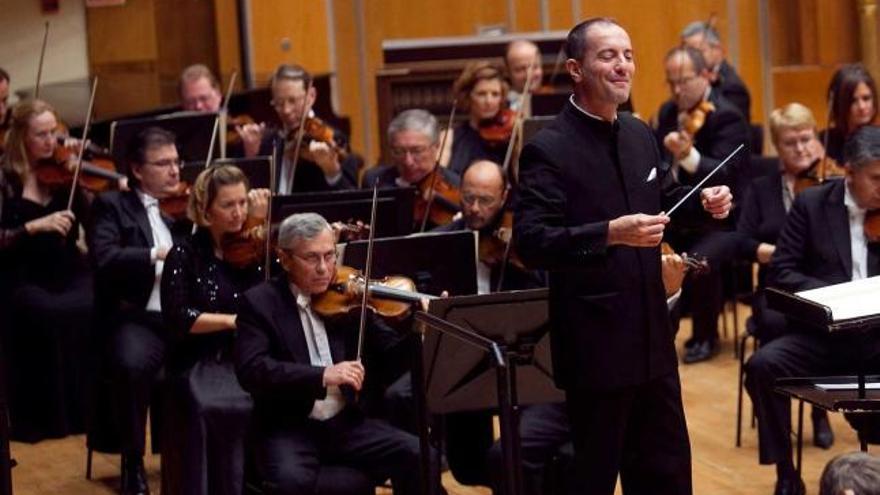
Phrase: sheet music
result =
(848, 386)
(856, 299)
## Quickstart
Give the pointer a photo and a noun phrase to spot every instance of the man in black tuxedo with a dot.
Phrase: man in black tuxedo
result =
(823, 242)
(724, 78)
(693, 155)
(322, 166)
(128, 240)
(413, 142)
(592, 189)
(303, 373)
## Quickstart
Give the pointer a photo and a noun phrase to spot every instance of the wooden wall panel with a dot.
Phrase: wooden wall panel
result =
(228, 43)
(528, 15)
(122, 34)
(750, 65)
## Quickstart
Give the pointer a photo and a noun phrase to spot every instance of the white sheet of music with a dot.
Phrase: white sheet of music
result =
(856, 299)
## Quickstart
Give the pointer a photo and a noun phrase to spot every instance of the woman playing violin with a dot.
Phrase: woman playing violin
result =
(481, 91)
(853, 96)
(208, 411)
(46, 279)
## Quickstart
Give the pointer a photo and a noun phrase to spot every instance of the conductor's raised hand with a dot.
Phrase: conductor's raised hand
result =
(638, 230)
(717, 201)
(349, 373)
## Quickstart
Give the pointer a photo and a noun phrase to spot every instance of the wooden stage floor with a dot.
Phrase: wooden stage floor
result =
(719, 468)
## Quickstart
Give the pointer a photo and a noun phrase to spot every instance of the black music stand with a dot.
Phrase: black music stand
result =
(486, 352)
(394, 210)
(258, 169)
(192, 129)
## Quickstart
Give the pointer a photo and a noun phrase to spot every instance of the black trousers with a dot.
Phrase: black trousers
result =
(289, 460)
(798, 355)
(638, 432)
(137, 354)
(543, 429)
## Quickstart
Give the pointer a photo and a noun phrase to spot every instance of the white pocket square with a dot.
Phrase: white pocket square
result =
(652, 175)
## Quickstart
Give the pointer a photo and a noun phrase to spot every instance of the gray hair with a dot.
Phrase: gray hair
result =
(695, 55)
(300, 227)
(702, 27)
(863, 147)
(856, 471)
(416, 120)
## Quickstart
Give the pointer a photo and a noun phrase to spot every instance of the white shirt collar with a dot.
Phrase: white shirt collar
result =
(588, 114)
(146, 199)
(302, 300)
(850, 201)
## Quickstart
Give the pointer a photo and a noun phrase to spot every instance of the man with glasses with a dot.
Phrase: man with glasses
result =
(304, 373)
(322, 165)
(129, 239)
(696, 130)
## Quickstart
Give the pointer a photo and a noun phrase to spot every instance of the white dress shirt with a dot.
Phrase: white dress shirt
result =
(161, 240)
(858, 243)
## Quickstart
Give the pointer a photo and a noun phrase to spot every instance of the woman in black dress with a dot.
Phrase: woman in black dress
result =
(206, 411)
(46, 284)
(481, 92)
(853, 97)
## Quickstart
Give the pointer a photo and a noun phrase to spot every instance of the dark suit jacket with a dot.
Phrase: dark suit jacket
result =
(120, 239)
(813, 249)
(762, 215)
(733, 89)
(386, 176)
(723, 131)
(272, 357)
(610, 325)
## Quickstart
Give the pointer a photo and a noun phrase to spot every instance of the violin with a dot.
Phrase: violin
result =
(821, 169)
(497, 130)
(698, 265)
(390, 297)
(174, 205)
(437, 199)
(232, 136)
(872, 226)
(693, 120)
(98, 174)
(492, 247)
(315, 129)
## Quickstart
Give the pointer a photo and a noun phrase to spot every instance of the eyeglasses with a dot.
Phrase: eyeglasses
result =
(168, 162)
(279, 103)
(682, 81)
(473, 199)
(414, 151)
(314, 259)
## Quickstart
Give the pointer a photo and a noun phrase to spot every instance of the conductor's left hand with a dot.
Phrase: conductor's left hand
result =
(717, 201)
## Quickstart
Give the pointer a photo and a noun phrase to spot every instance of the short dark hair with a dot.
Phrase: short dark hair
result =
(840, 93)
(144, 140)
(576, 43)
(862, 147)
(695, 55)
(4, 76)
(856, 471)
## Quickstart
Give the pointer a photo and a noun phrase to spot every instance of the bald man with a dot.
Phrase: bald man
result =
(519, 57)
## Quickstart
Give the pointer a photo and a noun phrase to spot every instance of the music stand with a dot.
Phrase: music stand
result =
(191, 129)
(394, 210)
(485, 352)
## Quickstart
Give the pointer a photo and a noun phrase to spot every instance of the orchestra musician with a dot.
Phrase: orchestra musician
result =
(207, 413)
(852, 94)
(704, 37)
(694, 153)
(592, 189)
(46, 279)
(519, 57)
(200, 91)
(322, 166)
(822, 242)
(303, 374)
(129, 240)
(5, 114)
(481, 91)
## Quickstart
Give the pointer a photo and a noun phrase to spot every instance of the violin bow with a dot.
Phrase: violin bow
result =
(224, 111)
(368, 272)
(42, 57)
(431, 193)
(82, 147)
(820, 173)
(273, 160)
(307, 107)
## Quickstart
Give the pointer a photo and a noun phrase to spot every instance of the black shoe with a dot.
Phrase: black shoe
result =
(701, 351)
(134, 478)
(790, 486)
(823, 437)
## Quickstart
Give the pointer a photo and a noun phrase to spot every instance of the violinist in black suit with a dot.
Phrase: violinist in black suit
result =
(129, 239)
(823, 242)
(303, 373)
(322, 166)
(725, 80)
(592, 187)
(697, 129)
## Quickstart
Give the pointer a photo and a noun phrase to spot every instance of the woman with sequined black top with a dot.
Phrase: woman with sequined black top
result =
(206, 411)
